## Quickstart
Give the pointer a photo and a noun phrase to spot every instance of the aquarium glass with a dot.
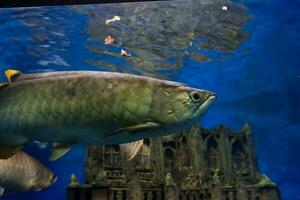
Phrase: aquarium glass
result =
(246, 52)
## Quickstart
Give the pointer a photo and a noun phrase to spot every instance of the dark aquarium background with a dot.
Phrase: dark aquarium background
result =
(246, 51)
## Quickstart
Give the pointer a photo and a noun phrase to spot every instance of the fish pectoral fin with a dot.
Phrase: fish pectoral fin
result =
(131, 149)
(2, 189)
(59, 149)
(134, 129)
(141, 127)
(7, 151)
(12, 74)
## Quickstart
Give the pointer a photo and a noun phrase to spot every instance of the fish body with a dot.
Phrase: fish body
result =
(21, 173)
(90, 107)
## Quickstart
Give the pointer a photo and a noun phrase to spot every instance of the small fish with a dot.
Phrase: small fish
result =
(41, 145)
(125, 53)
(93, 108)
(109, 40)
(114, 19)
(21, 173)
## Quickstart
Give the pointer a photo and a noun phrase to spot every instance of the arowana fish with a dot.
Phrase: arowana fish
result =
(21, 173)
(90, 107)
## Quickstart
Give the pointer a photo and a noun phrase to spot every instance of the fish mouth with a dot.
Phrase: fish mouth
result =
(203, 108)
(54, 179)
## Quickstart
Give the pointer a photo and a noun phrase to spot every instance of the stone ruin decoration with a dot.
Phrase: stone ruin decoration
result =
(199, 164)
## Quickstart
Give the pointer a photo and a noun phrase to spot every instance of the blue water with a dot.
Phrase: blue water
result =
(258, 84)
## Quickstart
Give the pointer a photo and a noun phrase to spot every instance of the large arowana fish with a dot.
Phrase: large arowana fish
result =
(90, 107)
(21, 173)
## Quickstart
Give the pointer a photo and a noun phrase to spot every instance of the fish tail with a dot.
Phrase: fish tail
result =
(11, 76)
(10, 144)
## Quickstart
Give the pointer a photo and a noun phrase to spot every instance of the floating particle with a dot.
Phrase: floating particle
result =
(114, 19)
(125, 53)
(109, 40)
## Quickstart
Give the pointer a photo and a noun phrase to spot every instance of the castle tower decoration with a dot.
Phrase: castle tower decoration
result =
(199, 164)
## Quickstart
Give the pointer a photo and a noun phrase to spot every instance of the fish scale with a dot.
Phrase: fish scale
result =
(22, 172)
(94, 108)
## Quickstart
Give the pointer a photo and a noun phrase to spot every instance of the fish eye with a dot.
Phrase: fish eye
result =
(195, 96)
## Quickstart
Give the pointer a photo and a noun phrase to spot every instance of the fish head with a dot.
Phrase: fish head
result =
(42, 181)
(178, 105)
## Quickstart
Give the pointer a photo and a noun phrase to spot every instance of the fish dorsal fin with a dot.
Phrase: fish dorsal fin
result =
(12, 74)
(131, 149)
(59, 149)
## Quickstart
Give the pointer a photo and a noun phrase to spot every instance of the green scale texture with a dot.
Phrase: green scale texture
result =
(91, 103)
